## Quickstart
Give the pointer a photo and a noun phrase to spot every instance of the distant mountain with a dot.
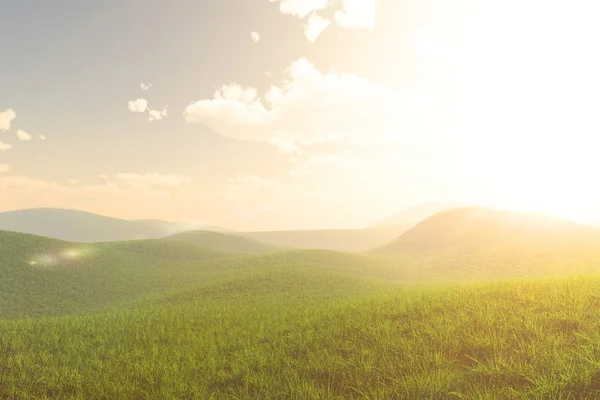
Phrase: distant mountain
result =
(82, 226)
(476, 241)
(349, 240)
(224, 242)
(417, 213)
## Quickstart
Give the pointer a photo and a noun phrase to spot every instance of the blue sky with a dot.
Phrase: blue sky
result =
(389, 106)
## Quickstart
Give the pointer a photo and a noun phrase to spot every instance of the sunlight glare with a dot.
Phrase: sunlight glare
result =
(529, 104)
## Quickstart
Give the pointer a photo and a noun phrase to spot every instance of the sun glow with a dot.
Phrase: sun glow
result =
(528, 105)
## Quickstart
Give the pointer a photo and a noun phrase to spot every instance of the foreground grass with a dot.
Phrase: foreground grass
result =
(302, 334)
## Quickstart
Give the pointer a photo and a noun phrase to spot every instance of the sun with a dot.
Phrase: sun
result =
(529, 105)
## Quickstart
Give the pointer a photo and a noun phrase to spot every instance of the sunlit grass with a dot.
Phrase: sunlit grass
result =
(157, 319)
(304, 334)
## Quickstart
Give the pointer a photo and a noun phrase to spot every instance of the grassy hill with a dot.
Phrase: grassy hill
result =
(348, 240)
(484, 243)
(48, 277)
(173, 319)
(308, 324)
(41, 276)
(224, 241)
(81, 226)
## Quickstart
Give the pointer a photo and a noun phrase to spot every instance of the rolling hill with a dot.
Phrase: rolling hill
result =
(224, 241)
(43, 276)
(348, 240)
(171, 319)
(480, 242)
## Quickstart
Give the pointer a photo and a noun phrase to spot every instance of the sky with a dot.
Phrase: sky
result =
(298, 114)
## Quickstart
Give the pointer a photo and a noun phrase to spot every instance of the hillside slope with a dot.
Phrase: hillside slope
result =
(223, 242)
(475, 241)
(303, 333)
(41, 276)
(48, 277)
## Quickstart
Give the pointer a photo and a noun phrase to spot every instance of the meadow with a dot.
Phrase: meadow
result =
(169, 319)
(303, 335)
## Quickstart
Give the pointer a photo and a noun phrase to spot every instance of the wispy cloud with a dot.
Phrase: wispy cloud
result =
(4, 167)
(42, 137)
(139, 105)
(24, 136)
(255, 36)
(145, 86)
(6, 118)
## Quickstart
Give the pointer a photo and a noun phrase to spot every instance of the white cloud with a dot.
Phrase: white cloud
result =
(301, 8)
(310, 107)
(315, 27)
(138, 105)
(255, 36)
(42, 137)
(155, 115)
(5, 146)
(145, 86)
(24, 136)
(353, 14)
(6, 118)
(4, 167)
(357, 14)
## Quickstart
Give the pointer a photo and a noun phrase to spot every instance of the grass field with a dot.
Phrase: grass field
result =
(302, 334)
(169, 319)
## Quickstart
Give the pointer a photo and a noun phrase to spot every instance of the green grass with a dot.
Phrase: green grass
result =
(158, 319)
(303, 335)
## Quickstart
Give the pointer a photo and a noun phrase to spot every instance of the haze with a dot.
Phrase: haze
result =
(283, 114)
